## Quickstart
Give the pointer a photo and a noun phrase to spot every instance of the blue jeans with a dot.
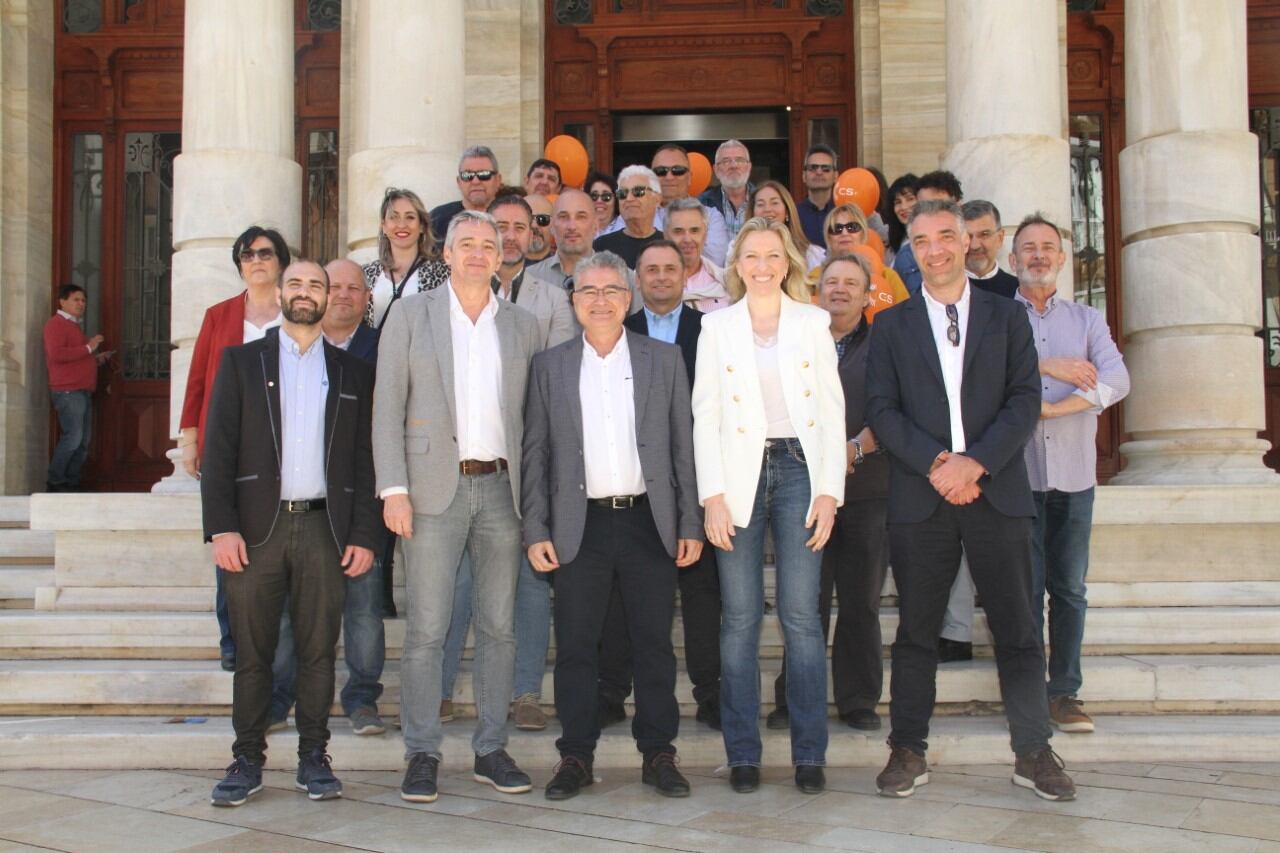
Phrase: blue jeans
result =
(364, 646)
(532, 627)
(782, 501)
(75, 427)
(1059, 563)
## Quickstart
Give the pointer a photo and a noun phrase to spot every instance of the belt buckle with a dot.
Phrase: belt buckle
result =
(621, 502)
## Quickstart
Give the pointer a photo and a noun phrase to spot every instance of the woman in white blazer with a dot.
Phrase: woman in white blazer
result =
(768, 438)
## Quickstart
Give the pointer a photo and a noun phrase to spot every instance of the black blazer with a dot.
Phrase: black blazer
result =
(999, 398)
(364, 344)
(240, 474)
(1002, 284)
(870, 480)
(687, 331)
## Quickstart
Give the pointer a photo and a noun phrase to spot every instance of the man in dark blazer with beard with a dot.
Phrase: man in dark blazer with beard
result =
(287, 490)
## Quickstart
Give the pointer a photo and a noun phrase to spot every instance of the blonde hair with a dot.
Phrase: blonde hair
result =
(851, 210)
(426, 239)
(793, 285)
(793, 215)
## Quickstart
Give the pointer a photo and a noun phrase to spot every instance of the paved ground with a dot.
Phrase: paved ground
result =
(1122, 807)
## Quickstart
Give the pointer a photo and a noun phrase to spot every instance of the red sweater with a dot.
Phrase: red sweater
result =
(66, 350)
(223, 327)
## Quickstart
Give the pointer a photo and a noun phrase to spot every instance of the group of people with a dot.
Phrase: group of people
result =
(624, 418)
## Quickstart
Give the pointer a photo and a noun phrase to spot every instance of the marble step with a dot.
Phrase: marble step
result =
(20, 545)
(18, 581)
(1148, 683)
(1234, 630)
(15, 510)
(116, 743)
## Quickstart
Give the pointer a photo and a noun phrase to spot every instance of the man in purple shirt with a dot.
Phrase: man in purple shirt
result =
(1081, 373)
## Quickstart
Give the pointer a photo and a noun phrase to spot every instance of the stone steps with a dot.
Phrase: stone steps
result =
(20, 545)
(111, 743)
(19, 582)
(1143, 683)
(15, 510)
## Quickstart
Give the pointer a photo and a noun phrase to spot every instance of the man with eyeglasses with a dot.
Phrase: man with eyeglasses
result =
(610, 412)
(639, 194)
(478, 183)
(953, 395)
(819, 182)
(733, 169)
(573, 223)
(541, 243)
(986, 241)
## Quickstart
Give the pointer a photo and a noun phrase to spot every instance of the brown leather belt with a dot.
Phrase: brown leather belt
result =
(619, 501)
(471, 467)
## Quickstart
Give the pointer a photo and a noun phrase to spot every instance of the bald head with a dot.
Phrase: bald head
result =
(348, 298)
(573, 221)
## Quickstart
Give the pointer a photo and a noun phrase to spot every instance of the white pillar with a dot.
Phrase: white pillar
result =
(1006, 121)
(1191, 259)
(236, 168)
(407, 109)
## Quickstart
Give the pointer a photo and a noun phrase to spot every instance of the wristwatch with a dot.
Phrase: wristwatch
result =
(857, 450)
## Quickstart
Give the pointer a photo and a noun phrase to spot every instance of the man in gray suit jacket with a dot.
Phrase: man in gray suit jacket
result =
(609, 497)
(447, 424)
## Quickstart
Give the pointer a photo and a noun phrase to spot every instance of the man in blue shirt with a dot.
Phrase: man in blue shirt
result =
(820, 173)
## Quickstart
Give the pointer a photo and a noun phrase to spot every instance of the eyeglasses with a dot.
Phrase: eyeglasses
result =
(542, 220)
(663, 171)
(468, 175)
(733, 161)
(591, 294)
(844, 228)
(638, 192)
(953, 330)
(601, 195)
(819, 167)
(247, 255)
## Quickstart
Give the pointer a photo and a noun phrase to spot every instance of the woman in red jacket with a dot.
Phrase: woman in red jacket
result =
(260, 255)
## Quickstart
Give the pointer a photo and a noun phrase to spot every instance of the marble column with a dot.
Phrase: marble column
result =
(1006, 115)
(1191, 257)
(236, 168)
(407, 109)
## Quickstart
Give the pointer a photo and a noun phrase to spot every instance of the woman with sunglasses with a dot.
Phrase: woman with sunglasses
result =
(767, 392)
(846, 228)
(406, 254)
(602, 189)
(260, 255)
(773, 202)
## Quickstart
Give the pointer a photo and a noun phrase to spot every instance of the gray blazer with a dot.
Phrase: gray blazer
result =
(550, 307)
(553, 492)
(414, 413)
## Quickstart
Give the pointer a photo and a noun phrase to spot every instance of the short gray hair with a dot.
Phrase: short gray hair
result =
(645, 172)
(688, 203)
(604, 260)
(934, 206)
(480, 151)
(732, 143)
(978, 208)
(471, 216)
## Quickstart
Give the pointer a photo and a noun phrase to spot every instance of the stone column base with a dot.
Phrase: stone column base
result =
(1195, 461)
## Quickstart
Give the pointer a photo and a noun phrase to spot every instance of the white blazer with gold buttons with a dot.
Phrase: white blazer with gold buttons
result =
(729, 421)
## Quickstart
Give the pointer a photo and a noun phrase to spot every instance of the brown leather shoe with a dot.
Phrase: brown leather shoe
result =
(905, 770)
(1043, 773)
(527, 714)
(446, 710)
(1066, 713)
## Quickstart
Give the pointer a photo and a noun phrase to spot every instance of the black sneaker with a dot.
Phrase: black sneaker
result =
(779, 718)
(499, 770)
(863, 719)
(243, 780)
(660, 772)
(611, 711)
(572, 774)
(953, 651)
(709, 713)
(419, 785)
(315, 776)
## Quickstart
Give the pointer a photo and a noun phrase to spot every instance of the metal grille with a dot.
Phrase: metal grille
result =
(1266, 124)
(81, 16)
(86, 223)
(148, 247)
(1088, 212)
(324, 15)
(322, 195)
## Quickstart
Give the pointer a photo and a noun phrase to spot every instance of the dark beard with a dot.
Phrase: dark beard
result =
(302, 316)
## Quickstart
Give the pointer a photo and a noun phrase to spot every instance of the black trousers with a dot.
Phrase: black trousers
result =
(300, 563)
(620, 549)
(926, 557)
(700, 614)
(854, 564)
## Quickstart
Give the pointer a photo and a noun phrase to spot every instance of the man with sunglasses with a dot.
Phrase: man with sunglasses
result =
(541, 243)
(478, 183)
(671, 165)
(639, 194)
(819, 182)
(953, 395)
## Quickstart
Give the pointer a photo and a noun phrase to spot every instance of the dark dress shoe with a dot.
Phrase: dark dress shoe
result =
(611, 711)
(709, 713)
(950, 651)
(810, 779)
(779, 718)
(744, 779)
(572, 775)
(864, 719)
(661, 773)
(229, 661)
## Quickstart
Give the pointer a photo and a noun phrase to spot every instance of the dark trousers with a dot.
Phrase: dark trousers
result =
(620, 548)
(700, 614)
(926, 557)
(298, 562)
(853, 566)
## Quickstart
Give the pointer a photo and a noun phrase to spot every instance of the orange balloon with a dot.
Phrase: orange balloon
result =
(881, 297)
(875, 258)
(860, 187)
(567, 153)
(699, 173)
(874, 241)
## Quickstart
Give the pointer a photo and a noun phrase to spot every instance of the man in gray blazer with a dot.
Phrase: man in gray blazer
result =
(448, 418)
(609, 497)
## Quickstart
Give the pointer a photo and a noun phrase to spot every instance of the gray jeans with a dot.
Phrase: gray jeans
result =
(482, 520)
(957, 624)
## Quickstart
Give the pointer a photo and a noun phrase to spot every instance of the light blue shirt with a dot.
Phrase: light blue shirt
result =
(663, 327)
(304, 388)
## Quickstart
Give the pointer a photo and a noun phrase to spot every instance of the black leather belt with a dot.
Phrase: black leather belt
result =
(303, 506)
(471, 467)
(619, 501)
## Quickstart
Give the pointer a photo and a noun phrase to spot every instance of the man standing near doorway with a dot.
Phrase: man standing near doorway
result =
(819, 182)
(72, 360)
(733, 169)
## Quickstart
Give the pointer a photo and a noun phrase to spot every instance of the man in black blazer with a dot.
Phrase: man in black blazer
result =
(660, 276)
(287, 492)
(953, 396)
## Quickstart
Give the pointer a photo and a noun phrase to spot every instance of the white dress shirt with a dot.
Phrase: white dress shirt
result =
(477, 380)
(952, 357)
(256, 333)
(304, 388)
(607, 392)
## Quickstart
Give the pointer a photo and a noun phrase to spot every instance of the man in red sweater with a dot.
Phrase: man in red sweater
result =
(73, 361)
